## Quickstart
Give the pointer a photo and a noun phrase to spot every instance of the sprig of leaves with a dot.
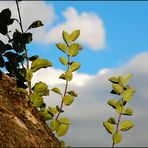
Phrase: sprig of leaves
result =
(121, 88)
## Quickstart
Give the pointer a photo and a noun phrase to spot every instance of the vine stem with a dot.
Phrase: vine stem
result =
(65, 91)
(26, 53)
(119, 119)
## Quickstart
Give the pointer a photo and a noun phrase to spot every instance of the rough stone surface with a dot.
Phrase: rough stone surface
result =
(21, 125)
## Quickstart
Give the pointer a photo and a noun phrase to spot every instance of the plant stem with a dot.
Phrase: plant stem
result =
(119, 118)
(65, 91)
(26, 53)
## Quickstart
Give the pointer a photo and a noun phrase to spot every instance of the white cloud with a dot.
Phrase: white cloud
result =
(90, 108)
(91, 27)
(30, 12)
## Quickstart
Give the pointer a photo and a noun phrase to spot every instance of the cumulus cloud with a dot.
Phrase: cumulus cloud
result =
(30, 12)
(91, 26)
(90, 108)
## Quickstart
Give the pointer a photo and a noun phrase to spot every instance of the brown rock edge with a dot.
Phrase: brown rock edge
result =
(21, 125)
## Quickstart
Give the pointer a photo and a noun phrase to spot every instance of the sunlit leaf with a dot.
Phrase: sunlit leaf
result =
(113, 79)
(68, 75)
(74, 35)
(66, 37)
(65, 120)
(62, 130)
(54, 124)
(126, 125)
(40, 63)
(72, 93)
(117, 88)
(73, 49)
(128, 111)
(36, 100)
(75, 66)
(56, 90)
(109, 127)
(63, 60)
(62, 47)
(117, 137)
(68, 100)
(111, 120)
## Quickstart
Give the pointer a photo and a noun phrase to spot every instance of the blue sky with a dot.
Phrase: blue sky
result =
(126, 33)
(119, 31)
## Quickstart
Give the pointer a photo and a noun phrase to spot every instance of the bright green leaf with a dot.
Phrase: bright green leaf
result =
(119, 107)
(122, 80)
(113, 79)
(126, 125)
(128, 112)
(40, 63)
(127, 95)
(62, 47)
(63, 60)
(117, 88)
(112, 102)
(128, 76)
(66, 37)
(68, 75)
(46, 114)
(68, 99)
(65, 120)
(62, 130)
(73, 49)
(22, 90)
(74, 35)
(62, 76)
(56, 90)
(36, 100)
(41, 89)
(109, 127)
(29, 75)
(54, 124)
(117, 137)
(75, 66)
(52, 110)
(111, 120)
(72, 93)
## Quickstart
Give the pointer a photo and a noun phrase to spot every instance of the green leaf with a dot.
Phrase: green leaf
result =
(36, 24)
(62, 130)
(74, 35)
(117, 137)
(56, 90)
(128, 111)
(66, 37)
(54, 124)
(126, 125)
(127, 95)
(75, 66)
(109, 127)
(117, 88)
(36, 100)
(32, 58)
(72, 93)
(113, 79)
(62, 76)
(111, 120)
(41, 89)
(29, 75)
(65, 120)
(112, 102)
(62, 47)
(68, 75)
(63, 60)
(68, 100)
(40, 63)
(73, 49)
(119, 107)
(62, 144)
(22, 90)
(46, 114)
(52, 110)
(58, 109)
(122, 80)
(128, 76)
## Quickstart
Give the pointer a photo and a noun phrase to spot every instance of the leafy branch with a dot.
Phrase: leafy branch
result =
(121, 88)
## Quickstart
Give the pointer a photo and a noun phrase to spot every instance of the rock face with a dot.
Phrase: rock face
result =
(21, 125)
